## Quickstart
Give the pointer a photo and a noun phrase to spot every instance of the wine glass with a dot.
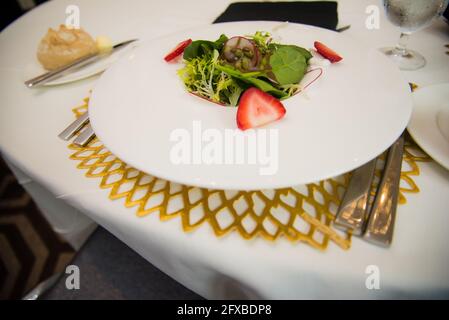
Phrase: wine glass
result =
(410, 16)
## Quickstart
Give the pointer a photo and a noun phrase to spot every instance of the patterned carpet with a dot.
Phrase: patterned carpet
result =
(30, 251)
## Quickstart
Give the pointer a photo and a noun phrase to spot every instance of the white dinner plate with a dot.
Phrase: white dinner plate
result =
(356, 110)
(34, 68)
(429, 124)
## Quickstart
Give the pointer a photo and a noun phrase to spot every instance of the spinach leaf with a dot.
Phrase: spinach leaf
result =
(306, 53)
(288, 65)
(198, 48)
(201, 47)
(250, 78)
(219, 43)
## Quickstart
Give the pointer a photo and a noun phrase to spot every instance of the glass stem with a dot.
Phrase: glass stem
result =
(401, 47)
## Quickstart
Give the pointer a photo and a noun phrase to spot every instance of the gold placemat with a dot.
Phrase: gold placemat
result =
(300, 214)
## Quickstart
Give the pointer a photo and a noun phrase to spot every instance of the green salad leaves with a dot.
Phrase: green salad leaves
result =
(288, 65)
(204, 47)
(221, 70)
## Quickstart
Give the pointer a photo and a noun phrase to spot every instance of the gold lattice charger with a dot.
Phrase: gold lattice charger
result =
(300, 214)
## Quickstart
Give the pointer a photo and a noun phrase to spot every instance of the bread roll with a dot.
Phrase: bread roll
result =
(63, 46)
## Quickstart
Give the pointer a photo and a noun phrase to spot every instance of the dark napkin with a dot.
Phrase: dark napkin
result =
(317, 13)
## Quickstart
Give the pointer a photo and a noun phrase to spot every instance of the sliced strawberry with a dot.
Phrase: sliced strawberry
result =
(327, 52)
(257, 108)
(178, 50)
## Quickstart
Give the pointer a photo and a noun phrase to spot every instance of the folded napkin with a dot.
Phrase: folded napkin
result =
(317, 13)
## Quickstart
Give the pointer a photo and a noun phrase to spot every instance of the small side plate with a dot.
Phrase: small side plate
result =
(34, 68)
(429, 124)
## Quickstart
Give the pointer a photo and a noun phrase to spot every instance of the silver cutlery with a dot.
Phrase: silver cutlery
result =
(354, 207)
(81, 127)
(376, 222)
(381, 221)
(77, 64)
(74, 127)
(85, 136)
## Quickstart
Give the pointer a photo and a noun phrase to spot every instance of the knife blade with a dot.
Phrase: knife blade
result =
(75, 65)
(354, 206)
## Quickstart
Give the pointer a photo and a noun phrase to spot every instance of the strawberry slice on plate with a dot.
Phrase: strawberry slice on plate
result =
(327, 52)
(257, 108)
(178, 50)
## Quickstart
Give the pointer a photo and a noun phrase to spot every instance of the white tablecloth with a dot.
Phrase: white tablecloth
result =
(417, 264)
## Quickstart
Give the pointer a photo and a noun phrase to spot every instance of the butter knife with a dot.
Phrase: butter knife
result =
(75, 65)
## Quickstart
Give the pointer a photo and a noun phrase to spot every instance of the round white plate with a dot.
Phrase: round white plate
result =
(34, 68)
(429, 124)
(358, 108)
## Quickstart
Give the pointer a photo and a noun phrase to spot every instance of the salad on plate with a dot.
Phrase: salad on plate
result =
(252, 72)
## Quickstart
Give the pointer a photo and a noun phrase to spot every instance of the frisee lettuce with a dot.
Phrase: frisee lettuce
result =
(201, 77)
(262, 40)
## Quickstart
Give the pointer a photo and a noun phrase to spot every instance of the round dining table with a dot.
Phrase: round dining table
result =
(415, 266)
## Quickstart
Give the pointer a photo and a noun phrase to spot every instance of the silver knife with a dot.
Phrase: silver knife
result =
(64, 70)
(355, 204)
